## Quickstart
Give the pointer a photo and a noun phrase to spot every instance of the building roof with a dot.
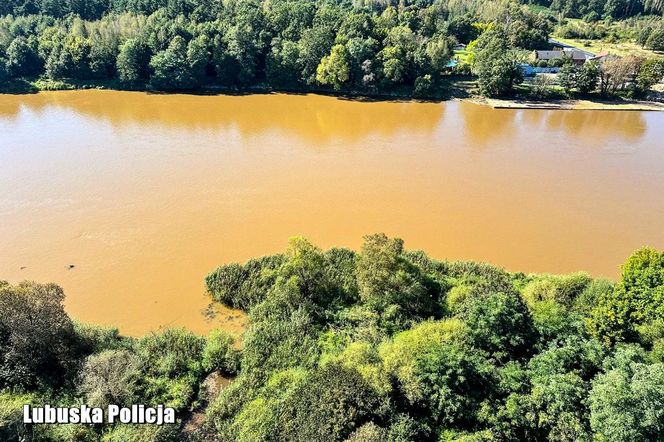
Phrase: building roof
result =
(578, 53)
(574, 54)
(548, 55)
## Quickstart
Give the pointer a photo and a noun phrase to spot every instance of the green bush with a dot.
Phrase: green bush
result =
(499, 324)
(637, 299)
(219, 353)
(563, 290)
(110, 377)
(424, 87)
(656, 40)
(143, 433)
(243, 286)
(37, 338)
(368, 432)
(274, 343)
(12, 428)
(389, 282)
(96, 338)
(626, 403)
(330, 403)
(171, 367)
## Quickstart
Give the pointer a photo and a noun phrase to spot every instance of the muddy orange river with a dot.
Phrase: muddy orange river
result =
(144, 194)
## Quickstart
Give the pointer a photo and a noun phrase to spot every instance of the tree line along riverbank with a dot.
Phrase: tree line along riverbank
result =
(384, 344)
(464, 89)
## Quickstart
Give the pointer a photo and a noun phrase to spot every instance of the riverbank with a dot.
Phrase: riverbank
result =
(586, 104)
(452, 88)
(463, 89)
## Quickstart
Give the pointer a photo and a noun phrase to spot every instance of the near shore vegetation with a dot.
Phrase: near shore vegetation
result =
(379, 345)
(372, 47)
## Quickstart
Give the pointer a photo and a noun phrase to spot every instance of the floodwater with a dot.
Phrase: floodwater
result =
(144, 194)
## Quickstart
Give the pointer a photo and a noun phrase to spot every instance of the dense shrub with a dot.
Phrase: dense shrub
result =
(96, 338)
(499, 324)
(37, 338)
(637, 299)
(390, 283)
(171, 367)
(110, 377)
(329, 404)
(655, 40)
(626, 403)
(219, 353)
(243, 286)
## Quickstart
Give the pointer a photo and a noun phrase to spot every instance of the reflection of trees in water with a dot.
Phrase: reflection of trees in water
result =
(319, 119)
(486, 127)
(596, 128)
(532, 119)
(9, 107)
(314, 118)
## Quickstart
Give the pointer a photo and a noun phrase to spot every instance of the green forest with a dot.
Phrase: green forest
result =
(371, 47)
(383, 344)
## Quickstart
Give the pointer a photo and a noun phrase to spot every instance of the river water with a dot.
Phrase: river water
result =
(144, 194)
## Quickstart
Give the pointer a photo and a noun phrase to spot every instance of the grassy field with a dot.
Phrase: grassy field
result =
(462, 55)
(622, 48)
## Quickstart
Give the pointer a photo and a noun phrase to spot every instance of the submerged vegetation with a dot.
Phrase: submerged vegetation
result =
(412, 48)
(383, 344)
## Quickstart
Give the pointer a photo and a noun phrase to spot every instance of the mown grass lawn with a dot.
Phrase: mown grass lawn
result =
(620, 48)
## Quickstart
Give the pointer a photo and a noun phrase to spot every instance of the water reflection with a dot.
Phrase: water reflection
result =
(319, 119)
(484, 127)
(596, 128)
(588, 128)
(9, 107)
(312, 117)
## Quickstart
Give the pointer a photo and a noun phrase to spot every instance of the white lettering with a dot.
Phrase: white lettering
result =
(27, 414)
(136, 414)
(169, 416)
(113, 412)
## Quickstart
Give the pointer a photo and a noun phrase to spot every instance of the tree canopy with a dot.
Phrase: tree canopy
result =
(364, 47)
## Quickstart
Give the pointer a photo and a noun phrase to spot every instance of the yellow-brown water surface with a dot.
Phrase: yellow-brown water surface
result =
(144, 194)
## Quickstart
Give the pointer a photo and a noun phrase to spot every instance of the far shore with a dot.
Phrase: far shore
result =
(461, 90)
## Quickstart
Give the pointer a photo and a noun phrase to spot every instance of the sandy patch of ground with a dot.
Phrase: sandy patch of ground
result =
(573, 104)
